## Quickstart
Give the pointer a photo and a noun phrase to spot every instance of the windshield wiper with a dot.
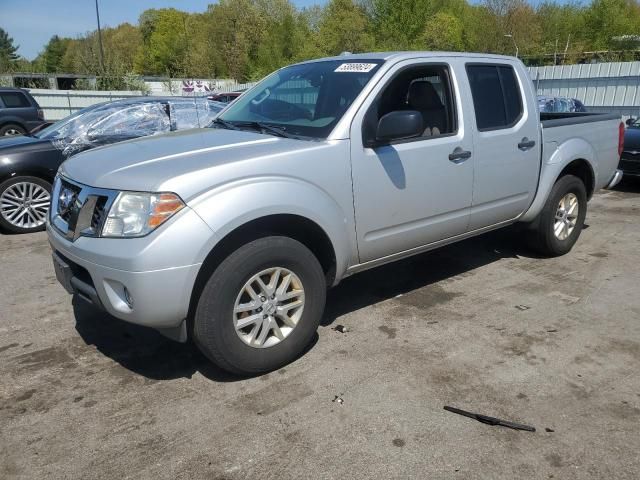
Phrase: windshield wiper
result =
(224, 124)
(268, 128)
(260, 126)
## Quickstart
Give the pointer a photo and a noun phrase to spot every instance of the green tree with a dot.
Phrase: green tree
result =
(165, 42)
(51, 58)
(344, 26)
(562, 28)
(399, 24)
(607, 19)
(283, 32)
(445, 32)
(8, 52)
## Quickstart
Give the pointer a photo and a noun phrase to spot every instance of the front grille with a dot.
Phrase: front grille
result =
(66, 199)
(79, 210)
(630, 166)
(99, 214)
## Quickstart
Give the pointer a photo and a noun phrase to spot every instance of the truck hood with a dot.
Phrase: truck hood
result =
(176, 162)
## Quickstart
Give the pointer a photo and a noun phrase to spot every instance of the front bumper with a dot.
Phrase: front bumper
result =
(132, 279)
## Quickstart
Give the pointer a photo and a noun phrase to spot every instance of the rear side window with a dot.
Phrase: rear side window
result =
(496, 96)
(14, 100)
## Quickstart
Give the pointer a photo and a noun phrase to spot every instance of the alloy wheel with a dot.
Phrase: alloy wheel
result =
(268, 307)
(566, 216)
(25, 205)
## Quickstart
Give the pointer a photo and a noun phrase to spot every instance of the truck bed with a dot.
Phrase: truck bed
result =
(585, 131)
(557, 119)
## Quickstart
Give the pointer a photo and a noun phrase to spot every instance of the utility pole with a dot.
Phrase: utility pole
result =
(509, 35)
(100, 39)
(564, 57)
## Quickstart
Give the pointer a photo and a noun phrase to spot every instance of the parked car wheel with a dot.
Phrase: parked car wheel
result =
(11, 129)
(559, 224)
(261, 307)
(24, 204)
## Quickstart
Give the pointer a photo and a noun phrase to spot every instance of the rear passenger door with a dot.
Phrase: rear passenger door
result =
(506, 137)
(17, 104)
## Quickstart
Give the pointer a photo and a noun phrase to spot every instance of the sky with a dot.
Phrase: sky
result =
(32, 23)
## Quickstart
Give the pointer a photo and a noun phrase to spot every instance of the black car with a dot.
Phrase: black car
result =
(630, 159)
(29, 163)
(19, 112)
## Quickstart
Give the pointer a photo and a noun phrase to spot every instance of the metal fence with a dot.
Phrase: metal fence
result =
(58, 104)
(602, 87)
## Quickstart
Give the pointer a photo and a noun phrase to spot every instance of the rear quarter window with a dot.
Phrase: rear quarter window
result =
(14, 100)
(496, 96)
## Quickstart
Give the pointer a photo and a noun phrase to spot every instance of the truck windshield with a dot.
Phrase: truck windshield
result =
(305, 100)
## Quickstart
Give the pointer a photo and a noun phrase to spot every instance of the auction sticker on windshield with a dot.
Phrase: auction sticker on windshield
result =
(356, 67)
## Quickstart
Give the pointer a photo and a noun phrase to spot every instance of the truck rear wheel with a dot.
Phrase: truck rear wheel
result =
(560, 222)
(261, 307)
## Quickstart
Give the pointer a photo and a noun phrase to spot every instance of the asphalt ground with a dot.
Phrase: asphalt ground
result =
(482, 325)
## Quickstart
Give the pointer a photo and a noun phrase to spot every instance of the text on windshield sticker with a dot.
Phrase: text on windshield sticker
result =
(356, 67)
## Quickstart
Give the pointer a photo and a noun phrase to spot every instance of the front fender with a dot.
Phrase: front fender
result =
(233, 205)
(552, 167)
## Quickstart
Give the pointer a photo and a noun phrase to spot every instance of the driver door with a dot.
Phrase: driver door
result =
(413, 192)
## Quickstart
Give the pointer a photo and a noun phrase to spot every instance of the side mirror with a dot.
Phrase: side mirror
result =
(399, 125)
(630, 121)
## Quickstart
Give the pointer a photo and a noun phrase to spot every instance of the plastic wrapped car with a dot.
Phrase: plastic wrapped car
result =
(560, 104)
(30, 162)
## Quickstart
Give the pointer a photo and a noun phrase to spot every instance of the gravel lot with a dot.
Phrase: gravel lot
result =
(482, 325)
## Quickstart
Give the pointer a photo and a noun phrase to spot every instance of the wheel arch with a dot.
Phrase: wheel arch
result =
(27, 172)
(13, 121)
(575, 158)
(582, 169)
(300, 228)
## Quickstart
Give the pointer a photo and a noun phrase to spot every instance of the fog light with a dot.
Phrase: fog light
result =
(128, 298)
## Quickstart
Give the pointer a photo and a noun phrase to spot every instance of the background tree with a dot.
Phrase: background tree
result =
(51, 59)
(444, 31)
(247, 39)
(165, 42)
(344, 26)
(8, 52)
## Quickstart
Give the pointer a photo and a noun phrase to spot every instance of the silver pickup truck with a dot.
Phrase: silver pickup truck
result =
(230, 235)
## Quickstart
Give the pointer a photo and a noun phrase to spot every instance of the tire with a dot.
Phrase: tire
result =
(19, 192)
(11, 129)
(214, 326)
(543, 237)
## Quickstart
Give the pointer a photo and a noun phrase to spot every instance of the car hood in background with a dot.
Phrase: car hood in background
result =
(180, 162)
(23, 143)
(632, 139)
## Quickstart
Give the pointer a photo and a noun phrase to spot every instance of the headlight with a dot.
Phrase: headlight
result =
(137, 214)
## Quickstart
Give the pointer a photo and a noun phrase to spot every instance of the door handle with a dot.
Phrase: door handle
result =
(525, 144)
(459, 155)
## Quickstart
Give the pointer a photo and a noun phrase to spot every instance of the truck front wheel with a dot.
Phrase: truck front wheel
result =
(560, 222)
(261, 307)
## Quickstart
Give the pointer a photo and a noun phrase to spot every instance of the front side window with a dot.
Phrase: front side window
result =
(304, 100)
(423, 88)
(496, 96)
(14, 100)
